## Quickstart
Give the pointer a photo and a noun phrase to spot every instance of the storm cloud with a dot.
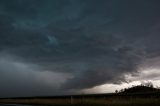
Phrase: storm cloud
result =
(79, 43)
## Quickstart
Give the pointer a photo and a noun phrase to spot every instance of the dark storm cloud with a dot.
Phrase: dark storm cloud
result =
(95, 41)
(24, 79)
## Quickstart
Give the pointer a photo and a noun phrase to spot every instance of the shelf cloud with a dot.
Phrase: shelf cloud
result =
(57, 46)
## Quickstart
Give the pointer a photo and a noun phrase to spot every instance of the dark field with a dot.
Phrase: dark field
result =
(90, 100)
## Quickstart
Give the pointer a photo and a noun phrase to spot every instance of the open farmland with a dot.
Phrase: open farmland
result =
(90, 100)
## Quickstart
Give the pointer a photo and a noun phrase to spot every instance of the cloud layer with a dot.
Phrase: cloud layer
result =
(79, 43)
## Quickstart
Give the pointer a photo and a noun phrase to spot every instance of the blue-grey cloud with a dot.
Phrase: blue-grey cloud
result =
(94, 41)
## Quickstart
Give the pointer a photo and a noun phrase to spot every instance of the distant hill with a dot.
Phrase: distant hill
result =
(140, 89)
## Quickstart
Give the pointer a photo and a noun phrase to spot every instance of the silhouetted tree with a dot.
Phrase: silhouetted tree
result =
(116, 91)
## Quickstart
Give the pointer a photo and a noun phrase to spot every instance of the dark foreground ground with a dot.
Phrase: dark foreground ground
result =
(136, 99)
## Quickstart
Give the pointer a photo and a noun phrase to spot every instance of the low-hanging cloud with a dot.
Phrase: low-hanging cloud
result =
(83, 43)
(22, 79)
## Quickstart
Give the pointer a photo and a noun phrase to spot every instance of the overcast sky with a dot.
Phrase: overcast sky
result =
(55, 47)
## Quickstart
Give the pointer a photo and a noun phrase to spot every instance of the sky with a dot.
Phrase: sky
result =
(58, 47)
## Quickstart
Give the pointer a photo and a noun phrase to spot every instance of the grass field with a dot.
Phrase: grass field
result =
(113, 101)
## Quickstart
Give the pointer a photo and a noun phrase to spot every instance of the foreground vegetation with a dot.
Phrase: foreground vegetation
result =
(135, 96)
(88, 102)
